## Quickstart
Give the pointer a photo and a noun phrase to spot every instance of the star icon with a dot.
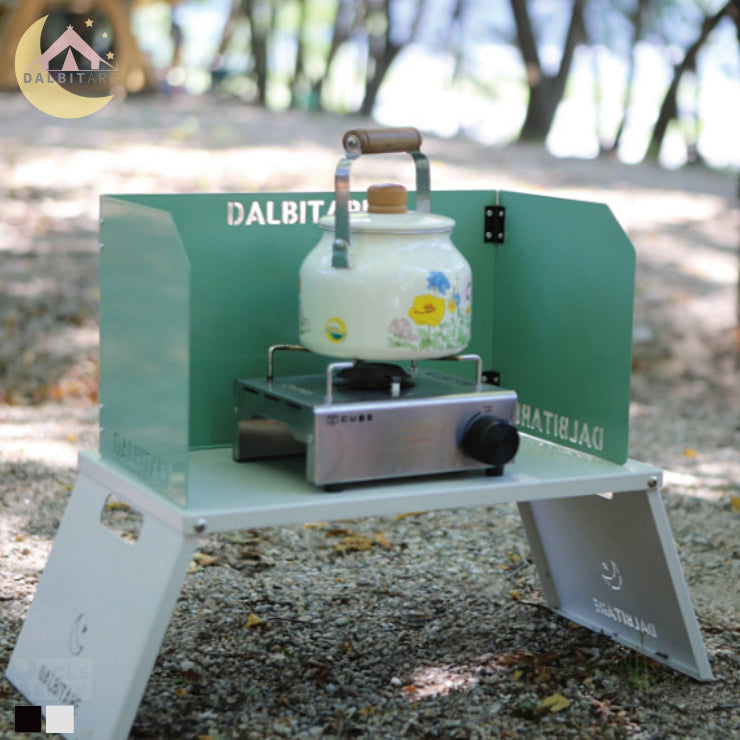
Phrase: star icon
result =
(105, 34)
(88, 23)
(110, 55)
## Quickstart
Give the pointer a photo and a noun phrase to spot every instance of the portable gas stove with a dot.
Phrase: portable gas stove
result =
(363, 421)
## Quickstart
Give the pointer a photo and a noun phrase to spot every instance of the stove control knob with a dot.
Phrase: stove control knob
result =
(490, 440)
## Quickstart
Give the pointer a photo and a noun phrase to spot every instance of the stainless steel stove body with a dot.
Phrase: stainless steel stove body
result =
(440, 423)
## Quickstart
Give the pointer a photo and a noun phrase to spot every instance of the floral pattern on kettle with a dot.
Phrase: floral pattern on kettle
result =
(427, 309)
(438, 319)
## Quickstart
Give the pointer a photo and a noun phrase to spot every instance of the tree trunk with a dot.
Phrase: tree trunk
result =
(383, 53)
(217, 64)
(457, 44)
(638, 23)
(545, 91)
(381, 66)
(669, 108)
(260, 16)
(344, 22)
(300, 96)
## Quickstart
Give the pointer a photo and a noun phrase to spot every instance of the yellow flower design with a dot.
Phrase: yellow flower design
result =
(451, 306)
(427, 309)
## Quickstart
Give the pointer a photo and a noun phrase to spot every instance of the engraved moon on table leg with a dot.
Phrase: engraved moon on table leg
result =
(77, 635)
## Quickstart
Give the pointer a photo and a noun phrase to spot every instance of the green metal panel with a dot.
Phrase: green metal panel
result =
(245, 251)
(468, 210)
(563, 321)
(195, 288)
(244, 294)
(145, 345)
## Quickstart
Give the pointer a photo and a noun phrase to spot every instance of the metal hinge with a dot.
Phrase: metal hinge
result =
(494, 226)
(492, 376)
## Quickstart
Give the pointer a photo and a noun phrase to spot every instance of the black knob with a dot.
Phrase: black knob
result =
(490, 440)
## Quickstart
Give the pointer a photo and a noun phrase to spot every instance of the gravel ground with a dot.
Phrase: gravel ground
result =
(430, 625)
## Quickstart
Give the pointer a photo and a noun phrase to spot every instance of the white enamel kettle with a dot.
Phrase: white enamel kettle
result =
(385, 284)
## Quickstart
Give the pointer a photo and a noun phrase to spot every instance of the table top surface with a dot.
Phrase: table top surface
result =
(224, 495)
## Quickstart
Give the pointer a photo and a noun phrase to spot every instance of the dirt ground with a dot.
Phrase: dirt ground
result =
(685, 410)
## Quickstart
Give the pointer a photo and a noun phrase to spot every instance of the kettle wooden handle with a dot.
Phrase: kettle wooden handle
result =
(374, 141)
(382, 140)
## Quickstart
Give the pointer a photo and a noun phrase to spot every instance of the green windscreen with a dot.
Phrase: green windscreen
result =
(144, 345)
(563, 321)
(195, 288)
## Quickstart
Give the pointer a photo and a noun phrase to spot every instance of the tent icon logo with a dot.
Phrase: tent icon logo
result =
(44, 77)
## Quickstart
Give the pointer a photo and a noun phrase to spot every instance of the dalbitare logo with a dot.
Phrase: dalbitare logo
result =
(69, 62)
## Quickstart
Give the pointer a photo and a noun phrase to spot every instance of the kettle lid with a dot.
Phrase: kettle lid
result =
(387, 197)
(388, 213)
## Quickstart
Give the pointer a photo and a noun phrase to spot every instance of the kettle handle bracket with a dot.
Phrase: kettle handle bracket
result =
(374, 141)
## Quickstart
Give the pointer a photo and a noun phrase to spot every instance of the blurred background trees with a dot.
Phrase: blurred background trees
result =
(638, 78)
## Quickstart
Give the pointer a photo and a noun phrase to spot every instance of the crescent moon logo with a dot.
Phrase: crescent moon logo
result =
(611, 575)
(40, 87)
(77, 635)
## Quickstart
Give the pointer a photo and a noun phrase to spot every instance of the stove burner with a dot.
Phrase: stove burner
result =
(373, 376)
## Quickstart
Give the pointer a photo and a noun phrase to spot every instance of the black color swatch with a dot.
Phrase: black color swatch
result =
(27, 719)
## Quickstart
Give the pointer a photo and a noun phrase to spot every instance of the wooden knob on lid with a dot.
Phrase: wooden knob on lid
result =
(386, 198)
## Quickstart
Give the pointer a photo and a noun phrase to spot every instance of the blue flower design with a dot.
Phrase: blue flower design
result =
(438, 281)
(456, 298)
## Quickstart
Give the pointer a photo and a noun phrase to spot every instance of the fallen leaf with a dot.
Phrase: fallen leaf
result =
(338, 532)
(507, 659)
(408, 514)
(354, 542)
(191, 676)
(690, 452)
(115, 505)
(255, 557)
(315, 525)
(253, 621)
(515, 595)
(240, 538)
(364, 711)
(735, 503)
(517, 675)
(380, 539)
(205, 560)
(540, 674)
(553, 703)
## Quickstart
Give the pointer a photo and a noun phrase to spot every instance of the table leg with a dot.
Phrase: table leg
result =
(99, 615)
(608, 562)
